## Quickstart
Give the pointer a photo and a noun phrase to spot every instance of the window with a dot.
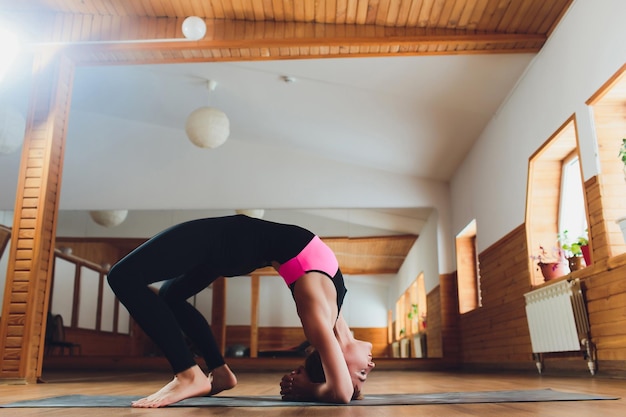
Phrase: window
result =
(468, 270)
(555, 199)
(411, 310)
(609, 115)
(572, 213)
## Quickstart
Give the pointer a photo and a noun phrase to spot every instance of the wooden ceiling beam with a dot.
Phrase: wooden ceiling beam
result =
(74, 28)
(95, 39)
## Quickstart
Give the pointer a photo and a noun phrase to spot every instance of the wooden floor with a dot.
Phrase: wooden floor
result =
(380, 382)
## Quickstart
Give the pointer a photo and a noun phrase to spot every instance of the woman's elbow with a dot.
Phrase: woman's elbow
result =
(343, 398)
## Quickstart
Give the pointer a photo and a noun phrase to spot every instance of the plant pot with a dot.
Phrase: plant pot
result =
(575, 263)
(586, 254)
(419, 345)
(552, 270)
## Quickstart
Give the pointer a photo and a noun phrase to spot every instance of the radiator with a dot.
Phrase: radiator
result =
(557, 321)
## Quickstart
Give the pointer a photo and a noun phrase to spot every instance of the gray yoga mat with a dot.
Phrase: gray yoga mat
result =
(275, 401)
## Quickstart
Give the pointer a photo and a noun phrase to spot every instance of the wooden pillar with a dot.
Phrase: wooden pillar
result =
(254, 317)
(26, 296)
(218, 313)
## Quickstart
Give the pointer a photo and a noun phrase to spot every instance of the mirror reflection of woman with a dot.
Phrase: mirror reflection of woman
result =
(191, 255)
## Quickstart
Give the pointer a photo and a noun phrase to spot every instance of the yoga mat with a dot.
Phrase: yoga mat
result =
(275, 401)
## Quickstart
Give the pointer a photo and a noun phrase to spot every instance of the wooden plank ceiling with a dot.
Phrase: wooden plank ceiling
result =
(287, 29)
(121, 32)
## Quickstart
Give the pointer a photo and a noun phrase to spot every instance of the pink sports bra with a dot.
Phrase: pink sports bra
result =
(316, 256)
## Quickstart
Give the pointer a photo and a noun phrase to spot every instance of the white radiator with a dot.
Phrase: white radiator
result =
(557, 320)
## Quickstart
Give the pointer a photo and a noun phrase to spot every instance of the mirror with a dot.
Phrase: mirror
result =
(126, 149)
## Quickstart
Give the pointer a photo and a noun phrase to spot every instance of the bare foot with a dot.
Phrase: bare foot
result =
(223, 379)
(189, 383)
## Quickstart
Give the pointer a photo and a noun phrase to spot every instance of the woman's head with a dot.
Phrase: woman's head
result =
(358, 356)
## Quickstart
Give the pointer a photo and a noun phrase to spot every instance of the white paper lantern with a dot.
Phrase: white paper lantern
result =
(207, 127)
(108, 218)
(256, 213)
(12, 127)
(194, 28)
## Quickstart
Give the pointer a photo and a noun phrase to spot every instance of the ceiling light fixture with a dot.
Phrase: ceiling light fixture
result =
(108, 218)
(194, 28)
(256, 213)
(208, 127)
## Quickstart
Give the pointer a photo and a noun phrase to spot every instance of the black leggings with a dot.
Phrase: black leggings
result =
(174, 255)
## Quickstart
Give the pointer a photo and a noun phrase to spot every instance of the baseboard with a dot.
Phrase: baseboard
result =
(553, 367)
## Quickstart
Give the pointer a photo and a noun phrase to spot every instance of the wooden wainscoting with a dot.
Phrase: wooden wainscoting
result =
(275, 338)
(497, 333)
(434, 343)
(270, 338)
(606, 305)
(99, 344)
(496, 336)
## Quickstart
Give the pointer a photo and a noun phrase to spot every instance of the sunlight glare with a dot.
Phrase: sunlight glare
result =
(9, 48)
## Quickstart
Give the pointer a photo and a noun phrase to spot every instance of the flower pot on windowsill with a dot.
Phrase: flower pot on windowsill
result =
(586, 254)
(575, 263)
(552, 270)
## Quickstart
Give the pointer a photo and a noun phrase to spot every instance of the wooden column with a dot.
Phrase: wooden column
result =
(218, 313)
(254, 317)
(29, 272)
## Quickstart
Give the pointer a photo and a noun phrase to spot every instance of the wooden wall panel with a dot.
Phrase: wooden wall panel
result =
(95, 343)
(449, 317)
(496, 335)
(434, 345)
(599, 245)
(497, 332)
(99, 253)
(442, 332)
(606, 301)
(273, 338)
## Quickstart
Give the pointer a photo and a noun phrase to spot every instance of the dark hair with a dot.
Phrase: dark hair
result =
(315, 371)
(314, 368)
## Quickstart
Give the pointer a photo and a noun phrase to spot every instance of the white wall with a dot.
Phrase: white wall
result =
(365, 304)
(585, 50)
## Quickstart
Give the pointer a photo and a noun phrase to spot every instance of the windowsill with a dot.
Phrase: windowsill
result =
(581, 274)
(589, 271)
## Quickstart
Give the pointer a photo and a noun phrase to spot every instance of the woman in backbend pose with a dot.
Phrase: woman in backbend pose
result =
(191, 255)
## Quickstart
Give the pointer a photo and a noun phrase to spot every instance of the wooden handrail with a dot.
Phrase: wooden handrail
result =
(102, 271)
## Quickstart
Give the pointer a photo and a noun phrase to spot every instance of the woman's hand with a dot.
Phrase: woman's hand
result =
(296, 386)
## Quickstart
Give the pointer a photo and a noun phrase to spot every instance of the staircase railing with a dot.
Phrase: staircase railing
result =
(81, 296)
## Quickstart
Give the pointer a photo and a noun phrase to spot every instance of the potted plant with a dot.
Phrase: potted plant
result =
(413, 316)
(552, 265)
(573, 250)
(418, 341)
(583, 241)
